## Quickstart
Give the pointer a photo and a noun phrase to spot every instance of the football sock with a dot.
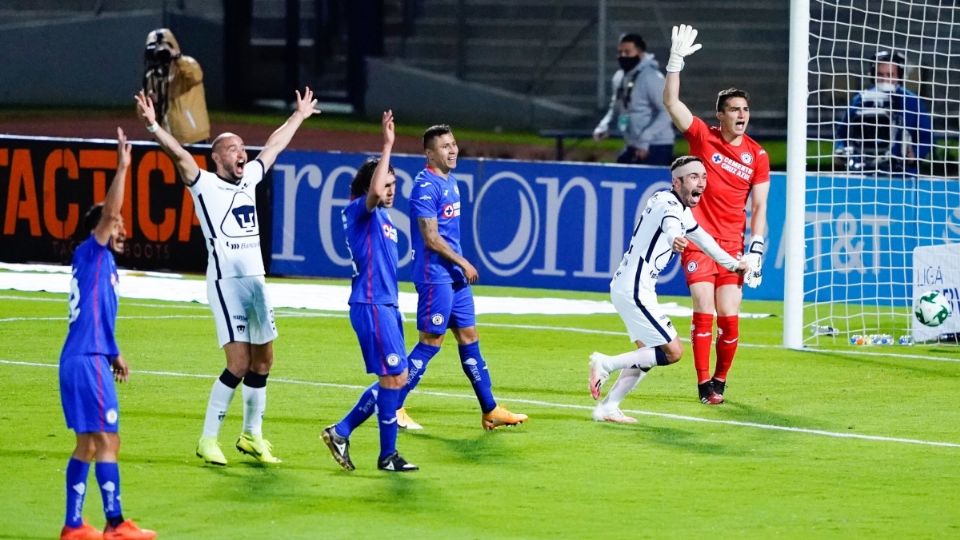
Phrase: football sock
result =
(701, 338)
(728, 337)
(220, 396)
(360, 412)
(418, 358)
(628, 379)
(641, 358)
(387, 417)
(108, 478)
(475, 368)
(254, 392)
(76, 489)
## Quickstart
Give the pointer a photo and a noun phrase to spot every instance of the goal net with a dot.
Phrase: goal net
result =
(882, 166)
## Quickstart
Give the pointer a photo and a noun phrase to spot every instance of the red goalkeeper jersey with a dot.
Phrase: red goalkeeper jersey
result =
(731, 173)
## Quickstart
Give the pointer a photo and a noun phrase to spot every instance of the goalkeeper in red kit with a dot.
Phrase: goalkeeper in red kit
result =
(737, 167)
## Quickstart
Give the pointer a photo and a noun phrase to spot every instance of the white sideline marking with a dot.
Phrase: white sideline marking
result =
(64, 318)
(549, 404)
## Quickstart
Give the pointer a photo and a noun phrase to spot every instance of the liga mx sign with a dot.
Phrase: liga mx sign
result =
(935, 268)
(523, 224)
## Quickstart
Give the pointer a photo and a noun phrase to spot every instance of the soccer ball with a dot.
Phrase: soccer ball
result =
(932, 309)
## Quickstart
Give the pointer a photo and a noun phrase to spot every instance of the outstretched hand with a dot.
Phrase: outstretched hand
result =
(681, 45)
(145, 110)
(123, 150)
(307, 104)
(387, 126)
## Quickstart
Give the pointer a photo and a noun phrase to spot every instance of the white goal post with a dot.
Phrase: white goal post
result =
(872, 166)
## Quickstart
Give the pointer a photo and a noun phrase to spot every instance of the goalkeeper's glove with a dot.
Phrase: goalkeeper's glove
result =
(754, 257)
(681, 45)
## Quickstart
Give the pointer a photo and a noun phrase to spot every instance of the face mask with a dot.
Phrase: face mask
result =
(886, 86)
(628, 62)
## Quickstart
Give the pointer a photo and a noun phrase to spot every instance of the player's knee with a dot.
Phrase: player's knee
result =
(466, 336)
(434, 340)
(673, 351)
(394, 382)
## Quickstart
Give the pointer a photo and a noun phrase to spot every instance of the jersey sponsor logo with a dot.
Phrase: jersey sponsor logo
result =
(691, 267)
(389, 231)
(436, 319)
(241, 219)
(393, 360)
(737, 169)
(112, 416)
(746, 157)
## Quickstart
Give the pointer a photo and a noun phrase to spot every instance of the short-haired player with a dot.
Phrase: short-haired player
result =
(666, 227)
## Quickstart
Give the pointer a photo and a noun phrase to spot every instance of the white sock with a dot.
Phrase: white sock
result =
(628, 380)
(254, 404)
(220, 396)
(641, 358)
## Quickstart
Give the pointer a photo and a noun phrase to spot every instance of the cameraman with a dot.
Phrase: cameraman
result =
(886, 127)
(175, 84)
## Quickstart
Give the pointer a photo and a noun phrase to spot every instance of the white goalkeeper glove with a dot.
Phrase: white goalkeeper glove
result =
(754, 257)
(681, 45)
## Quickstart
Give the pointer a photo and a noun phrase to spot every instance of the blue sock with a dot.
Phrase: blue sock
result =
(360, 412)
(76, 488)
(108, 478)
(418, 359)
(475, 368)
(387, 416)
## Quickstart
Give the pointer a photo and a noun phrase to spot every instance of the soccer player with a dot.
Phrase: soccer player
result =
(739, 169)
(225, 203)
(89, 363)
(442, 277)
(666, 227)
(374, 307)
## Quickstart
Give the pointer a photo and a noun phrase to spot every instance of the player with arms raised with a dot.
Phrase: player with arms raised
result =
(89, 363)
(226, 206)
(666, 227)
(738, 168)
(374, 307)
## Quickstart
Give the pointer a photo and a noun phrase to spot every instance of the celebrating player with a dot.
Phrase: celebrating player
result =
(738, 168)
(374, 307)
(225, 203)
(665, 227)
(89, 363)
(442, 277)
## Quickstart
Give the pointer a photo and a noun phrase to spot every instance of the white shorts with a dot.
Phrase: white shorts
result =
(242, 310)
(644, 320)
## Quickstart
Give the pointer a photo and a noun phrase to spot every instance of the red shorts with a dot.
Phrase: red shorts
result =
(698, 267)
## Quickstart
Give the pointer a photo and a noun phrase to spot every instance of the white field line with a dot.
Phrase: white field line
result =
(552, 405)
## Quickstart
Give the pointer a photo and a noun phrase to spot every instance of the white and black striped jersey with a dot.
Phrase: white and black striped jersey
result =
(663, 219)
(228, 217)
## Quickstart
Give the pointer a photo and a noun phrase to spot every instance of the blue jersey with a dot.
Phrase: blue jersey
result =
(93, 302)
(434, 196)
(372, 240)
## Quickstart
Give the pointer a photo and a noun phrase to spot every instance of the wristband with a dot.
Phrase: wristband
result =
(152, 128)
(756, 245)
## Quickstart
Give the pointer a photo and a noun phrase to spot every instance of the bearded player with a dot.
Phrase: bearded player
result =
(738, 169)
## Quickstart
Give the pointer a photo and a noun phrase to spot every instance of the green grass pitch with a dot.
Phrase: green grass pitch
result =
(858, 442)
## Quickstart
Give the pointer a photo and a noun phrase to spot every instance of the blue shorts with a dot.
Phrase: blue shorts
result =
(444, 305)
(88, 395)
(379, 329)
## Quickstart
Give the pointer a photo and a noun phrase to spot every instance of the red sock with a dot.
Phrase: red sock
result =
(728, 336)
(701, 337)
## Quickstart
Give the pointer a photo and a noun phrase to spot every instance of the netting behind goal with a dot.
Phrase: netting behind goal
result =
(882, 172)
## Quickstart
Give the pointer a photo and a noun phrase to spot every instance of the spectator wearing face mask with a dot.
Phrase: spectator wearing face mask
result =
(636, 107)
(886, 127)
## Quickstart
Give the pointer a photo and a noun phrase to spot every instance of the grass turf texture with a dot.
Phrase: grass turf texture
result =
(560, 475)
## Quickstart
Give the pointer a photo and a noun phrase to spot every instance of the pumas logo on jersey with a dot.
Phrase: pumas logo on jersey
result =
(436, 319)
(393, 360)
(691, 267)
(389, 231)
(746, 157)
(241, 328)
(241, 220)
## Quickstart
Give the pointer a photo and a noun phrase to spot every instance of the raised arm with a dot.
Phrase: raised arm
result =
(114, 201)
(434, 242)
(381, 175)
(279, 139)
(186, 165)
(682, 45)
